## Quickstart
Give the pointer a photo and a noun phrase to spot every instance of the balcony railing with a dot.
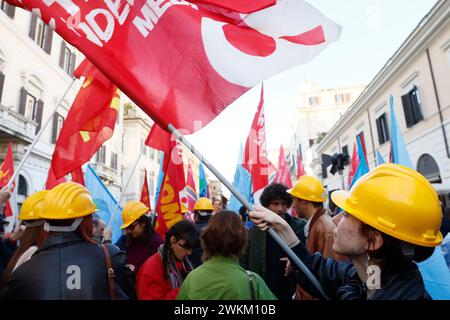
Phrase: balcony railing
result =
(16, 124)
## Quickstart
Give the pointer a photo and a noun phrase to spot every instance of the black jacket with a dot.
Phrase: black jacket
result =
(68, 268)
(340, 281)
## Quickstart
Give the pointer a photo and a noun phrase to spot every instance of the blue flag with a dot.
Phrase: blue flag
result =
(160, 180)
(380, 159)
(104, 201)
(363, 167)
(399, 152)
(203, 184)
(242, 182)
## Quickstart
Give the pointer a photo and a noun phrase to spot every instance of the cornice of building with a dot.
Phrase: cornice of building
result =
(412, 47)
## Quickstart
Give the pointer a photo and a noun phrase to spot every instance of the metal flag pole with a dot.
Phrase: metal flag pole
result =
(116, 209)
(249, 207)
(36, 139)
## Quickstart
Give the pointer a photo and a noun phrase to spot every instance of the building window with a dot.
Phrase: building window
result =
(23, 186)
(7, 8)
(41, 33)
(412, 107)
(67, 59)
(314, 101)
(58, 122)
(114, 160)
(31, 107)
(152, 154)
(345, 150)
(101, 155)
(382, 127)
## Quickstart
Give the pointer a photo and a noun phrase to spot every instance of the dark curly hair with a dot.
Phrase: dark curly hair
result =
(275, 191)
(225, 235)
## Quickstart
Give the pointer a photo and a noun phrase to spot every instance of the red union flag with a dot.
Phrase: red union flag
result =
(189, 194)
(184, 62)
(283, 175)
(6, 172)
(90, 122)
(300, 168)
(255, 155)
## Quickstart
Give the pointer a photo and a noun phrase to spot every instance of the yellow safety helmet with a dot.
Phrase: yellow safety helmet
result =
(395, 200)
(68, 200)
(33, 206)
(132, 211)
(203, 204)
(308, 188)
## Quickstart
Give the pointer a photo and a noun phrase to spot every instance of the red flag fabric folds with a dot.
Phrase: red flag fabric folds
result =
(90, 122)
(6, 172)
(145, 195)
(184, 63)
(283, 175)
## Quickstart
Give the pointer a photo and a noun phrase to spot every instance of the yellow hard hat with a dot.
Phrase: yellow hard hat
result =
(308, 188)
(68, 200)
(203, 204)
(132, 211)
(395, 200)
(33, 206)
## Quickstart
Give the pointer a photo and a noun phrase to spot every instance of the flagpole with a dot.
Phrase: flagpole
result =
(116, 209)
(36, 139)
(249, 207)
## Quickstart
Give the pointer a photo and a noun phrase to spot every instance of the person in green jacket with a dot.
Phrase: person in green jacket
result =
(221, 277)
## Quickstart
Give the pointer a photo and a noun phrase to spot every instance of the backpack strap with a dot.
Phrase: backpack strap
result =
(111, 273)
(251, 285)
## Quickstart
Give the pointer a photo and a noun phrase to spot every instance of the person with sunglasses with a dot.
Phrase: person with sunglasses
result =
(161, 276)
(140, 240)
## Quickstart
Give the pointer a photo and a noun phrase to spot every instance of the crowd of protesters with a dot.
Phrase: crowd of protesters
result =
(381, 239)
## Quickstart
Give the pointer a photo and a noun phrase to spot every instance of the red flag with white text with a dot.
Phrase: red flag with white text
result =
(255, 154)
(184, 62)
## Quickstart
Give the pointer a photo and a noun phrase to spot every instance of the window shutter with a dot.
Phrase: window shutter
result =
(2, 81)
(62, 54)
(380, 130)
(23, 101)
(33, 26)
(386, 130)
(48, 40)
(10, 11)
(407, 110)
(72, 63)
(40, 109)
(55, 127)
(416, 106)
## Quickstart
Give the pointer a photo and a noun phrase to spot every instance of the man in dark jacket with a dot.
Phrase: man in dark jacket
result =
(263, 255)
(203, 210)
(70, 265)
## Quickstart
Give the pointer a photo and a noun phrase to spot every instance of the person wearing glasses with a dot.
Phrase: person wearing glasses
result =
(140, 240)
(161, 276)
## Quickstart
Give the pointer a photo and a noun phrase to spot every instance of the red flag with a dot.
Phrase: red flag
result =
(354, 165)
(300, 169)
(185, 62)
(255, 156)
(283, 175)
(52, 181)
(90, 122)
(168, 205)
(191, 191)
(77, 176)
(6, 172)
(161, 140)
(145, 195)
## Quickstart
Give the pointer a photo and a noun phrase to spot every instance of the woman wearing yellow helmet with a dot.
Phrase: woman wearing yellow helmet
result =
(140, 240)
(33, 235)
(390, 215)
